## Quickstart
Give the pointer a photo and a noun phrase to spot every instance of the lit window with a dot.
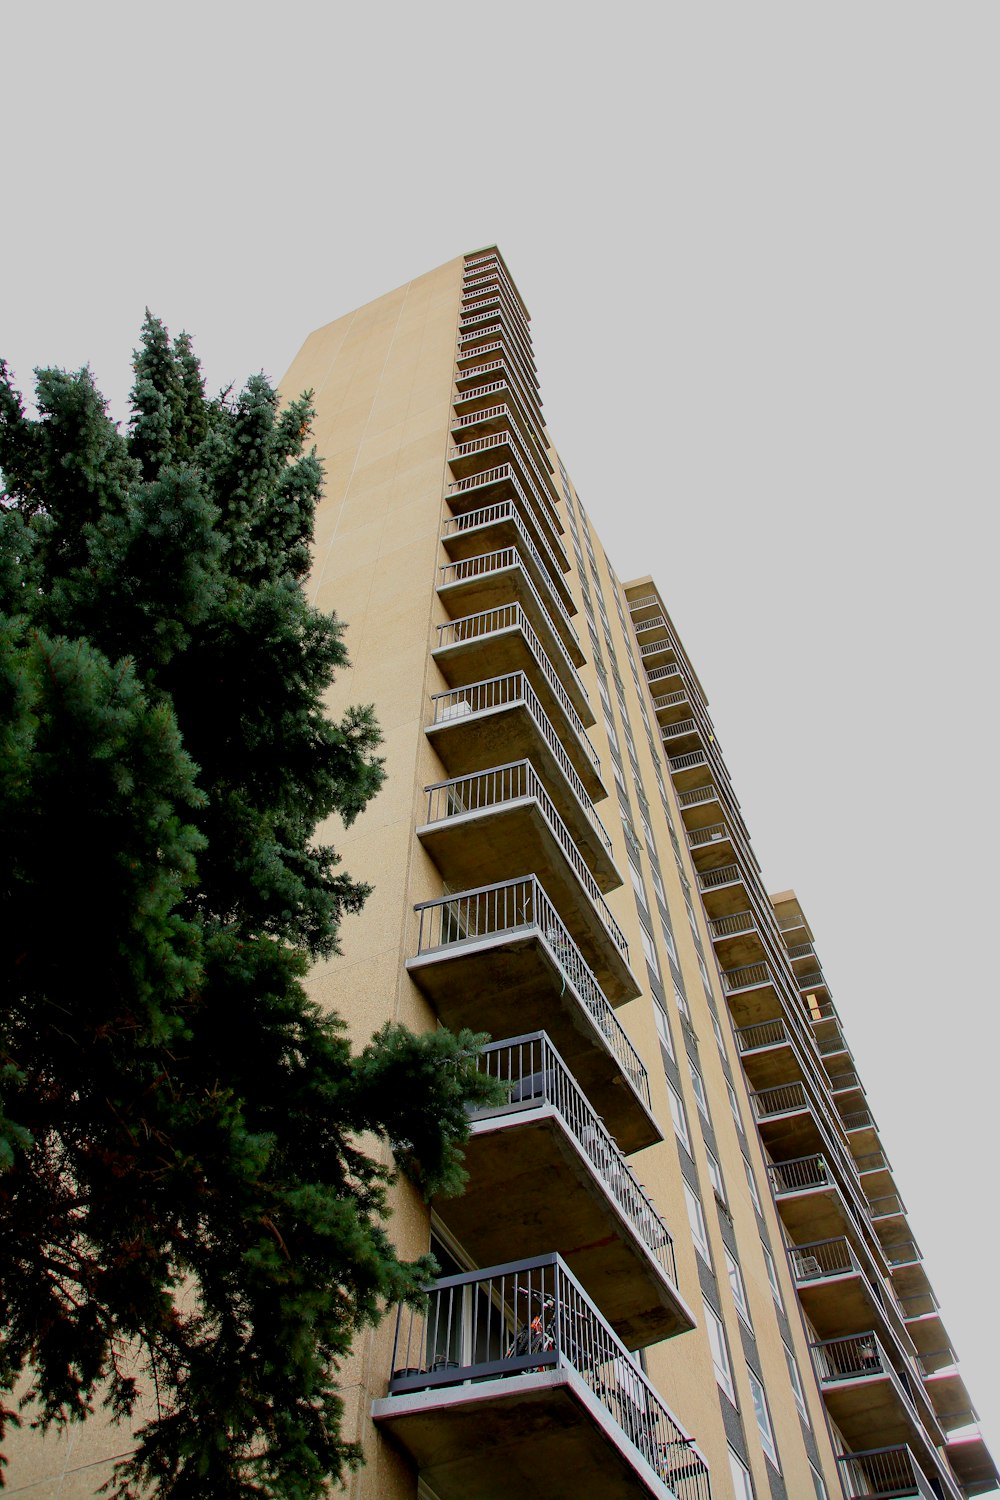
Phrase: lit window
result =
(763, 1416)
(699, 1090)
(677, 1115)
(752, 1184)
(715, 1173)
(772, 1274)
(738, 1289)
(742, 1486)
(793, 1375)
(663, 1029)
(720, 1354)
(697, 1221)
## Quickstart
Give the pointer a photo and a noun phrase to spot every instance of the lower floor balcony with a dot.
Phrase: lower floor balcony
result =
(837, 1293)
(884, 1474)
(500, 959)
(543, 1153)
(508, 1381)
(973, 1464)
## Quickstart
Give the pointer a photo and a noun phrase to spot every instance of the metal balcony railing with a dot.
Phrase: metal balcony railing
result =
(725, 875)
(905, 1253)
(502, 692)
(802, 950)
(670, 700)
(747, 976)
(533, 1073)
(780, 1100)
(798, 1175)
(655, 622)
(811, 981)
(763, 1034)
(890, 1205)
(533, 1315)
(689, 761)
(518, 907)
(859, 1119)
(696, 795)
(873, 1161)
(502, 785)
(714, 833)
(654, 648)
(822, 1258)
(732, 926)
(661, 673)
(883, 1474)
(643, 603)
(852, 1358)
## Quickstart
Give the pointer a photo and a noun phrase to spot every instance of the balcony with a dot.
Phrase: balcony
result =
(499, 959)
(723, 890)
(505, 447)
(736, 939)
(508, 1381)
(872, 1402)
(767, 1054)
(480, 826)
(837, 1292)
(862, 1131)
(711, 846)
(973, 1464)
(545, 1155)
(752, 992)
(884, 1474)
(809, 1198)
(950, 1398)
(480, 367)
(507, 575)
(499, 641)
(503, 716)
(494, 410)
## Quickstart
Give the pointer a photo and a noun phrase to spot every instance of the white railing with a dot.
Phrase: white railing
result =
(786, 1098)
(505, 472)
(506, 510)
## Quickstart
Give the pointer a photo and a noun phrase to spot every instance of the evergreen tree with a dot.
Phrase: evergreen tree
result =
(184, 1202)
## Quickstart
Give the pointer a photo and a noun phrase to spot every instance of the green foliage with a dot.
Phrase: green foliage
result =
(183, 1197)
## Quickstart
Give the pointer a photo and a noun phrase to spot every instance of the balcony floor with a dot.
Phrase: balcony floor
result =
(539, 1436)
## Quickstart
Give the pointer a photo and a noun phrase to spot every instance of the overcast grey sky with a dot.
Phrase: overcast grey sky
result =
(760, 246)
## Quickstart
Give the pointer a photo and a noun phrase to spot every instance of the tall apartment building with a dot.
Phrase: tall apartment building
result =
(682, 1265)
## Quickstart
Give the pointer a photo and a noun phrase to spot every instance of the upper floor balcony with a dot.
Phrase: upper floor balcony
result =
(500, 957)
(888, 1474)
(508, 1381)
(481, 330)
(497, 407)
(767, 1054)
(862, 1131)
(737, 939)
(510, 573)
(972, 1463)
(479, 367)
(724, 890)
(481, 829)
(472, 454)
(753, 993)
(547, 1157)
(474, 724)
(502, 639)
(479, 492)
(517, 725)
(840, 1294)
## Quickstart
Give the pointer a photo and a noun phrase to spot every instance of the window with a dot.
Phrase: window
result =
(742, 1486)
(718, 1033)
(649, 950)
(738, 1289)
(682, 1004)
(677, 1115)
(818, 1485)
(752, 1184)
(704, 972)
(763, 1416)
(793, 1375)
(663, 1029)
(720, 1354)
(657, 882)
(638, 884)
(715, 1174)
(772, 1274)
(668, 938)
(734, 1104)
(696, 1218)
(699, 1091)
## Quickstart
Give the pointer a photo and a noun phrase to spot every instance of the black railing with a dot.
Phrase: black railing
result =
(529, 1316)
